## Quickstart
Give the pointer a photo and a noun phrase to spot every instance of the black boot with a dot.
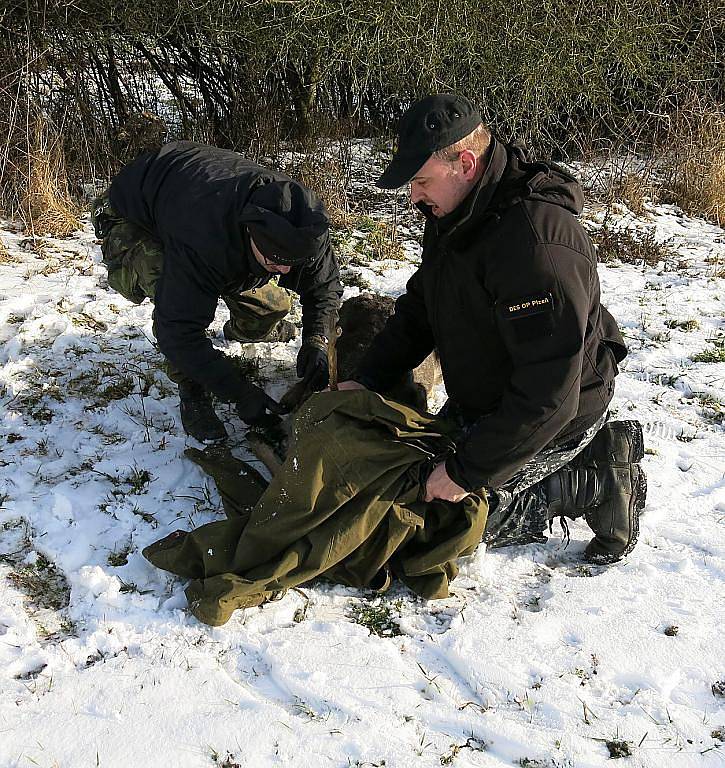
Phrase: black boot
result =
(615, 521)
(603, 484)
(617, 441)
(197, 413)
(606, 486)
(610, 496)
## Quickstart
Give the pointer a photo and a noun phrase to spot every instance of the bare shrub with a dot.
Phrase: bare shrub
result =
(616, 244)
(697, 164)
(328, 177)
(46, 206)
(238, 75)
(141, 132)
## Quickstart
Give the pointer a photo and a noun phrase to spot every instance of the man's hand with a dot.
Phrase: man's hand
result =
(350, 384)
(312, 365)
(440, 486)
(253, 404)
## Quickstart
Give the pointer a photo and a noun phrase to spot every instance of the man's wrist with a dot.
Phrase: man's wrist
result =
(455, 473)
(316, 340)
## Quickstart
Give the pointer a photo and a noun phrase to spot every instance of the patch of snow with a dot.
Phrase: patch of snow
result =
(534, 657)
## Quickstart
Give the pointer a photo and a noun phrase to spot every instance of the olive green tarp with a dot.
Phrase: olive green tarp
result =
(344, 506)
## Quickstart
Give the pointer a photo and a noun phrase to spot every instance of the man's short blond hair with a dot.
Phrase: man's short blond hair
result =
(477, 141)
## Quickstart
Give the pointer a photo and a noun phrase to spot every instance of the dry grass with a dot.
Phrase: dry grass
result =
(327, 177)
(47, 208)
(6, 257)
(697, 175)
(381, 241)
(632, 189)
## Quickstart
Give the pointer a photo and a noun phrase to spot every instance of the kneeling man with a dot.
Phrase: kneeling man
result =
(508, 294)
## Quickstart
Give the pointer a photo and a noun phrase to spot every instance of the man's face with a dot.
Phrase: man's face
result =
(440, 185)
(270, 266)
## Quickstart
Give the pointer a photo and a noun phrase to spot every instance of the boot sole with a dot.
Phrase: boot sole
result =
(638, 447)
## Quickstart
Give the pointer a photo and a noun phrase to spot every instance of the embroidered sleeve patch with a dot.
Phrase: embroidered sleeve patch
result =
(531, 317)
(532, 305)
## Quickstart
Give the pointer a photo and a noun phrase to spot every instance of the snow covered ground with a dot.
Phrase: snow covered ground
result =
(537, 660)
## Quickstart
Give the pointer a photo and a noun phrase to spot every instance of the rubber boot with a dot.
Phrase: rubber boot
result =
(197, 413)
(283, 331)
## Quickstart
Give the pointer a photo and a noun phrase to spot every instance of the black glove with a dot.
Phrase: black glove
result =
(253, 404)
(273, 433)
(312, 365)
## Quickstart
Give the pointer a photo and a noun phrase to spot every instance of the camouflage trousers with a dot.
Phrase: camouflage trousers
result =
(518, 511)
(134, 259)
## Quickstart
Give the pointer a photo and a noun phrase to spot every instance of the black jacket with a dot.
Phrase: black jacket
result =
(190, 197)
(508, 293)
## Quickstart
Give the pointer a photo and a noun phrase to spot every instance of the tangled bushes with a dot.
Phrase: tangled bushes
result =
(567, 78)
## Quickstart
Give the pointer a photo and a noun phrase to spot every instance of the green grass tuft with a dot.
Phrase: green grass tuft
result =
(43, 583)
(119, 557)
(716, 355)
(117, 390)
(683, 325)
(378, 619)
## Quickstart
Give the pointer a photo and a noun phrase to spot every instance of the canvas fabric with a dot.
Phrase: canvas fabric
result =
(346, 506)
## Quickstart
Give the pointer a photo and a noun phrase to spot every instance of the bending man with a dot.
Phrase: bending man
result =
(189, 224)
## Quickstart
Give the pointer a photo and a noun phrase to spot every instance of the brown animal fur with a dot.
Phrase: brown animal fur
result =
(361, 319)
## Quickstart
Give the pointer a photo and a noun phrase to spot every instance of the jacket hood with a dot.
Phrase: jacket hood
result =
(509, 178)
(287, 222)
(534, 180)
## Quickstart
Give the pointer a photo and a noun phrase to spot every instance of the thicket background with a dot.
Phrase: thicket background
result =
(85, 85)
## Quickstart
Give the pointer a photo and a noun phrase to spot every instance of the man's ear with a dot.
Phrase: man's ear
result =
(469, 164)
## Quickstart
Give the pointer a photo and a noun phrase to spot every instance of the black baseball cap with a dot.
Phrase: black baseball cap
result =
(288, 222)
(433, 123)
